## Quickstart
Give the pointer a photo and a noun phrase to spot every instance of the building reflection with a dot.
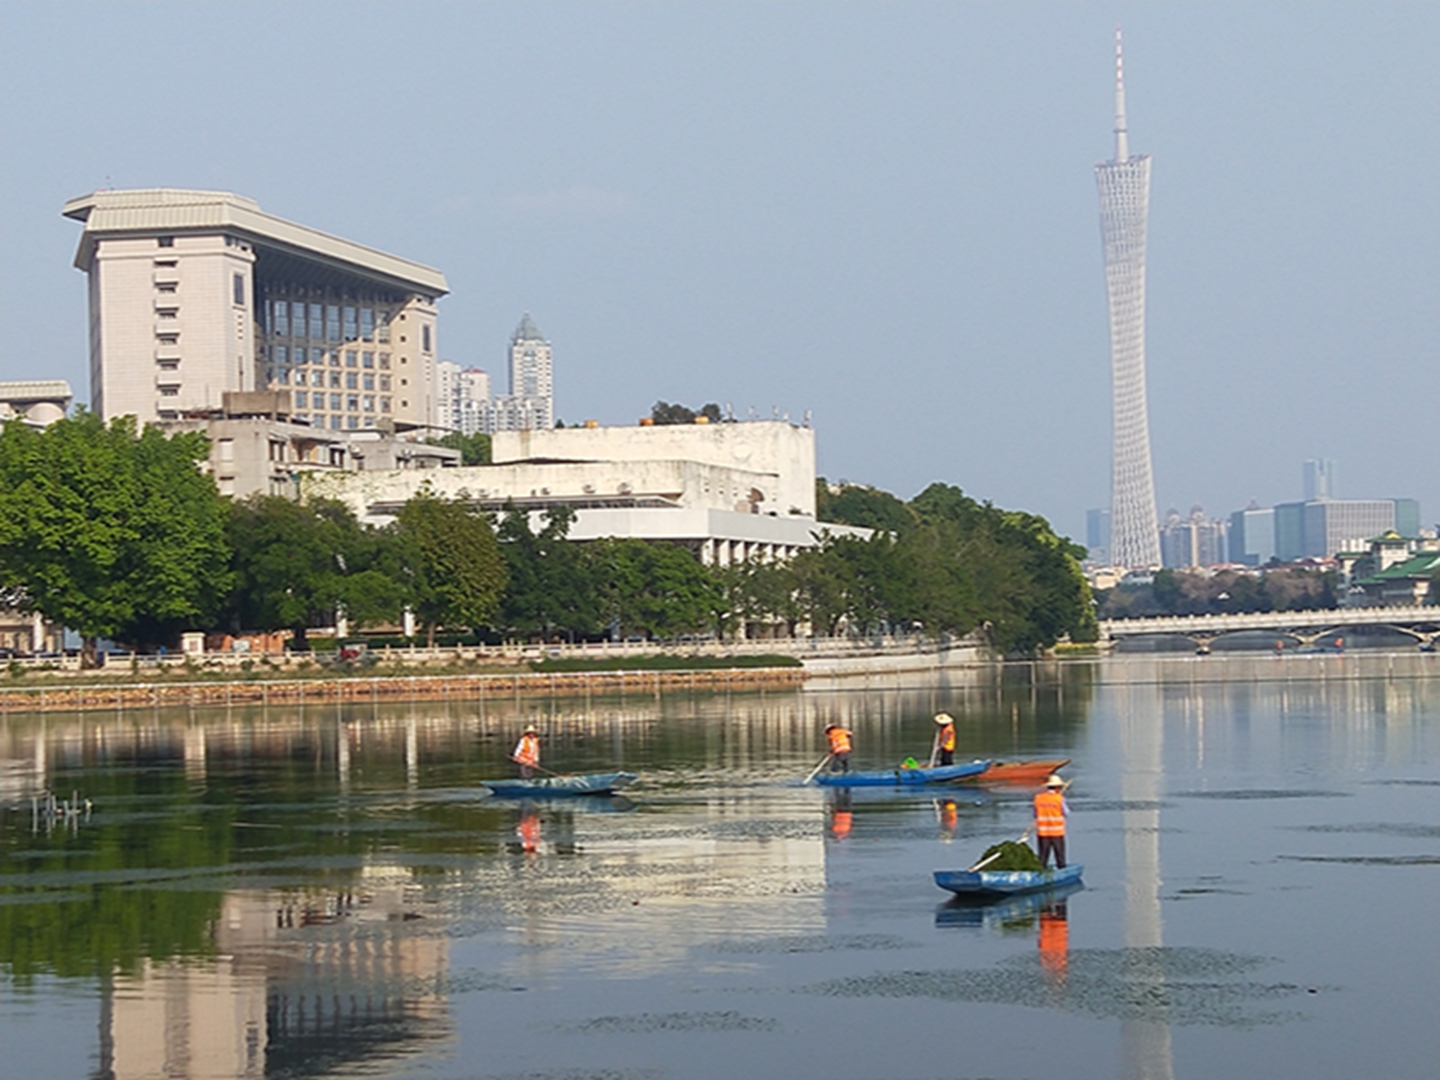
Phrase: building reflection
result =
(1145, 1043)
(301, 983)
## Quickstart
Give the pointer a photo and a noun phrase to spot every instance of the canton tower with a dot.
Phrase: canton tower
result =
(1124, 200)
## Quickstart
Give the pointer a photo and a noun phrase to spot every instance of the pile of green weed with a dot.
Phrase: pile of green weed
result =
(1013, 855)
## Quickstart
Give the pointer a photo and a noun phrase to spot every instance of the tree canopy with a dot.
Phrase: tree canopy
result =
(111, 531)
(451, 566)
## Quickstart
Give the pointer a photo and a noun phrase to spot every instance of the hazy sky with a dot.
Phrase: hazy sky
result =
(882, 213)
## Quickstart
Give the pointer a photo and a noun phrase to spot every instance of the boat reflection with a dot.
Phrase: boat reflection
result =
(1007, 914)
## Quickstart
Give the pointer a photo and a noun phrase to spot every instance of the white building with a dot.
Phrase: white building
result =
(728, 492)
(464, 396)
(194, 294)
(38, 402)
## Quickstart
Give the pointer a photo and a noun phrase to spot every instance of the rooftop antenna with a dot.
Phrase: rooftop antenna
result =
(1122, 139)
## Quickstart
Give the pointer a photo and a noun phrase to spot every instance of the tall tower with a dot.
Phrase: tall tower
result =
(1124, 201)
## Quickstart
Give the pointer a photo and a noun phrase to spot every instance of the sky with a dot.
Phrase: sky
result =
(883, 215)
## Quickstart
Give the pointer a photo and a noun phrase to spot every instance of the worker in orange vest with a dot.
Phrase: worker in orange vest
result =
(1050, 815)
(527, 752)
(839, 747)
(945, 739)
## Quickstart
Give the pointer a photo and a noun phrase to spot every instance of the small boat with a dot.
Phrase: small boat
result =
(1021, 772)
(583, 784)
(1005, 882)
(903, 777)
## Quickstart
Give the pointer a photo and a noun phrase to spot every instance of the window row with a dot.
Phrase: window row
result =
(299, 355)
(336, 402)
(336, 423)
(327, 322)
(353, 380)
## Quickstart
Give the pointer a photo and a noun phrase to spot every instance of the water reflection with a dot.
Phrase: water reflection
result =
(303, 983)
(293, 892)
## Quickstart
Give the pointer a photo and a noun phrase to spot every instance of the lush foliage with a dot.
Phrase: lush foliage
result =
(474, 449)
(112, 532)
(1178, 592)
(665, 413)
(120, 534)
(295, 565)
(449, 562)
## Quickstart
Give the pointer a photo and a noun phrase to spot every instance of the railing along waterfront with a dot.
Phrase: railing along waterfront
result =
(521, 652)
(373, 689)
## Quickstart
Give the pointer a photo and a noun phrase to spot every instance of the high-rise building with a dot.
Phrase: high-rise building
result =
(1320, 477)
(1319, 528)
(1192, 541)
(199, 294)
(1252, 535)
(1124, 185)
(1097, 536)
(530, 405)
(464, 395)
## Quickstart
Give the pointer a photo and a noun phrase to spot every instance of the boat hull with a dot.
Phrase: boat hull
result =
(899, 777)
(1005, 882)
(1021, 772)
(584, 784)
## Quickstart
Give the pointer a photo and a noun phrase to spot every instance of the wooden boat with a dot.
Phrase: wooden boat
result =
(1021, 772)
(1005, 882)
(583, 784)
(903, 777)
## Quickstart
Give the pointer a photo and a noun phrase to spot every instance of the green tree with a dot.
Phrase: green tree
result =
(867, 507)
(454, 573)
(109, 531)
(550, 584)
(474, 449)
(295, 564)
(664, 413)
(657, 589)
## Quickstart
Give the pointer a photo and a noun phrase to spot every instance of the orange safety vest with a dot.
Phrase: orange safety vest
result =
(841, 823)
(839, 740)
(947, 738)
(1050, 814)
(527, 750)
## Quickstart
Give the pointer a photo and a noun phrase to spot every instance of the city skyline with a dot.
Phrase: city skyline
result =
(716, 204)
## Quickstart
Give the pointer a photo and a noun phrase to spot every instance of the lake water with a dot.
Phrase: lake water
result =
(323, 892)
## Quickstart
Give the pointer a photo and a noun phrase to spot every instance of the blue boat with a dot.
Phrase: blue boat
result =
(583, 784)
(1005, 882)
(903, 777)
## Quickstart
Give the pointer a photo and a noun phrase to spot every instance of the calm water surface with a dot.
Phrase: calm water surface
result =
(323, 892)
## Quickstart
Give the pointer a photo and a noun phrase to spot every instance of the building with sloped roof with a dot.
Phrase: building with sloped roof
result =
(195, 294)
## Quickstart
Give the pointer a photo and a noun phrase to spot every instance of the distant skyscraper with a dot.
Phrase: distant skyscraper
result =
(1320, 476)
(531, 401)
(1124, 201)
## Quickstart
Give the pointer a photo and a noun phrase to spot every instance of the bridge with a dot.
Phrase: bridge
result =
(1306, 627)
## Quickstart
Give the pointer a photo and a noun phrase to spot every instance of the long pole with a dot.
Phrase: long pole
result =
(816, 771)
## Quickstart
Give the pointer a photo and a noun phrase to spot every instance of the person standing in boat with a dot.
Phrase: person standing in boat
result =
(1050, 814)
(527, 752)
(945, 739)
(839, 747)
